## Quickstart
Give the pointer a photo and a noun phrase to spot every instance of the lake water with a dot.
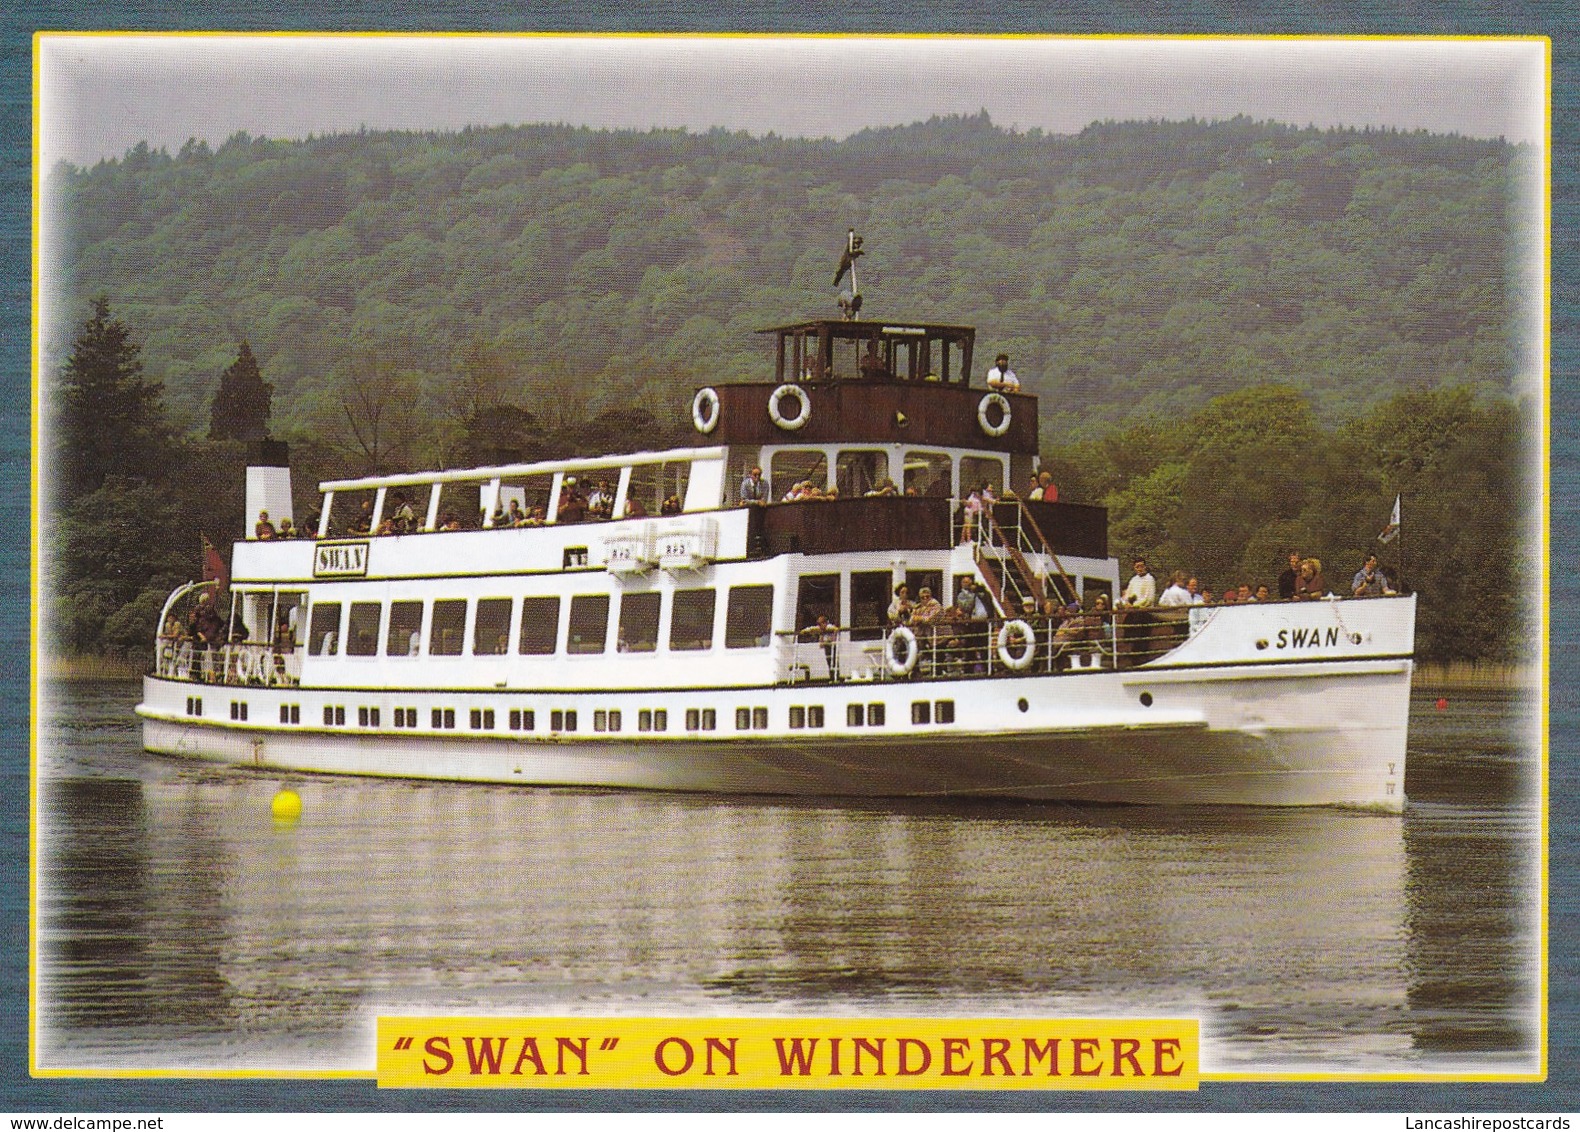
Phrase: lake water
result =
(181, 927)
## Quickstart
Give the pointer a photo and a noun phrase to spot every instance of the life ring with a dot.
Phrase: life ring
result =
(790, 424)
(900, 651)
(1006, 653)
(705, 409)
(989, 400)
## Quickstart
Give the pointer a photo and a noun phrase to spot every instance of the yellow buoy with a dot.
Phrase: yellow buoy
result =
(287, 806)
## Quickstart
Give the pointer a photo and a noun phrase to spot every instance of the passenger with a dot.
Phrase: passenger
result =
(573, 504)
(514, 516)
(1050, 490)
(1176, 594)
(405, 517)
(1369, 581)
(826, 635)
(1076, 630)
(972, 517)
(363, 523)
(1244, 595)
(671, 506)
(1033, 487)
(600, 504)
(900, 608)
(973, 609)
(884, 486)
(1193, 587)
(535, 518)
(449, 521)
(927, 609)
(1001, 377)
(1310, 585)
(634, 509)
(753, 489)
(1142, 589)
(263, 530)
(831, 493)
(1206, 596)
(173, 630)
(1261, 593)
(1287, 580)
(1231, 596)
(286, 530)
(871, 365)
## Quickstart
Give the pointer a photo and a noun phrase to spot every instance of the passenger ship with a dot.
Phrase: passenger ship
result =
(485, 625)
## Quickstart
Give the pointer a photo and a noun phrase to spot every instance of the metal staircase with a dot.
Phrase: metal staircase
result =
(1001, 552)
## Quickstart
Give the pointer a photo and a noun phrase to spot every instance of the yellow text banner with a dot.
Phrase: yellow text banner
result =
(788, 1053)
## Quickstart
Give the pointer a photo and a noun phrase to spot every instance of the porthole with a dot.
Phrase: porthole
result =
(1023, 705)
(1146, 699)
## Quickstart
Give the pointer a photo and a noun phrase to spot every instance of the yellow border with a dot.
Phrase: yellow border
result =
(1543, 517)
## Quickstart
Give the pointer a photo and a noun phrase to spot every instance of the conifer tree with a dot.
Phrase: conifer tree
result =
(111, 418)
(241, 405)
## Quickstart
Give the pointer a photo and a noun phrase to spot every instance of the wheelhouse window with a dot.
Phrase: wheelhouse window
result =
(927, 474)
(639, 622)
(448, 629)
(859, 471)
(491, 632)
(978, 470)
(691, 620)
(362, 635)
(323, 630)
(405, 633)
(540, 625)
(749, 619)
(589, 624)
(792, 466)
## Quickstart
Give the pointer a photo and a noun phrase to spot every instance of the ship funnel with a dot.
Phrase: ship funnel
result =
(268, 484)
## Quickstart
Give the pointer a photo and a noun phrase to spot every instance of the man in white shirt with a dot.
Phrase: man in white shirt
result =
(1176, 594)
(1142, 589)
(1001, 377)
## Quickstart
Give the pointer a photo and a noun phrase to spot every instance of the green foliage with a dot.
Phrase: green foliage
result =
(1227, 493)
(1244, 336)
(110, 419)
(241, 406)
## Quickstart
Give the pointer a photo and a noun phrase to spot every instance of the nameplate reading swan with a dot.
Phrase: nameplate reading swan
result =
(341, 560)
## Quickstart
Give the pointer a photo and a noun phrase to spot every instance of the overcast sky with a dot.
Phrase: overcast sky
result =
(103, 94)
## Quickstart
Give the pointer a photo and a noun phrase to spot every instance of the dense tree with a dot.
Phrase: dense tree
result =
(241, 404)
(111, 418)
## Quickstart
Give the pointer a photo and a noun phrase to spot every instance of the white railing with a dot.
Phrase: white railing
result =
(260, 665)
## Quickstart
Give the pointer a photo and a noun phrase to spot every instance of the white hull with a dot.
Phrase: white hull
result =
(1280, 734)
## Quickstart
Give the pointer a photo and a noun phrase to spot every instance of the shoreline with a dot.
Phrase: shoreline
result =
(1429, 675)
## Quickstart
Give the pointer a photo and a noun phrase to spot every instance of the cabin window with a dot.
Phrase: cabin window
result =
(691, 620)
(639, 622)
(918, 580)
(606, 720)
(324, 628)
(288, 611)
(589, 625)
(540, 625)
(855, 715)
(482, 719)
(443, 718)
(290, 713)
(367, 717)
(817, 595)
(405, 635)
(944, 711)
(654, 485)
(791, 467)
(460, 507)
(562, 721)
(491, 633)
(927, 475)
(921, 711)
(759, 719)
(814, 715)
(523, 500)
(876, 715)
(870, 595)
(362, 636)
(352, 513)
(860, 471)
(978, 470)
(448, 629)
(522, 720)
(749, 619)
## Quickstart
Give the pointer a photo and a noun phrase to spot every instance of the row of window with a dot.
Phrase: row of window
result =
(399, 626)
(605, 720)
